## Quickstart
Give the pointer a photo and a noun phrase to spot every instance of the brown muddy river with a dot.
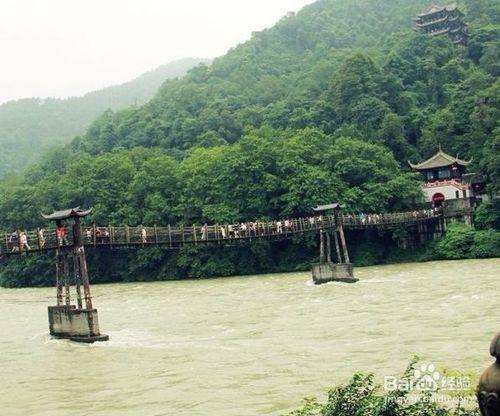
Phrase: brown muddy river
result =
(244, 345)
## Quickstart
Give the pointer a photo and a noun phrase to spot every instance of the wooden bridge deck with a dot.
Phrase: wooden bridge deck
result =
(172, 237)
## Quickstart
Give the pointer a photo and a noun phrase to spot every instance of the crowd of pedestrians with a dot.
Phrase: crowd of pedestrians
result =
(19, 240)
(257, 228)
(374, 219)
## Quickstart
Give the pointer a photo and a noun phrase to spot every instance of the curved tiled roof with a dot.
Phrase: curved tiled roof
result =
(439, 160)
(436, 9)
(433, 22)
(67, 213)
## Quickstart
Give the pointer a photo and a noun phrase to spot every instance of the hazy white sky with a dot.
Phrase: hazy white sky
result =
(59, 48)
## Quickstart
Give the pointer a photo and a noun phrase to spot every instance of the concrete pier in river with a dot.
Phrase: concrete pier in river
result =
(81, 325)
(66, 320)
(326, 271)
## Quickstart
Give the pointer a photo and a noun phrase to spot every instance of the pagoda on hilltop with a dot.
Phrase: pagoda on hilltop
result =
(444, 20)
(445, 179)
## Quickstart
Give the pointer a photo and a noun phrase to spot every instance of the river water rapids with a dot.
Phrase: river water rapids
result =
(244, 345)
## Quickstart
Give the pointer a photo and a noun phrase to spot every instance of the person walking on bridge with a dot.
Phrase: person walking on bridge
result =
(253, 227)
(243, 229)
(23, 241)
(88, 235)
(41, 238)
(287, 225)
(14, 241)
(362, 218)
(279, 227)
(62, 237)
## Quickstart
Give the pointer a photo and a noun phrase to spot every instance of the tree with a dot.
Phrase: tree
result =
(356, 78)
(392, 135)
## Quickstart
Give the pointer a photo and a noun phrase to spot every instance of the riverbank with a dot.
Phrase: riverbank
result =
(460, 242)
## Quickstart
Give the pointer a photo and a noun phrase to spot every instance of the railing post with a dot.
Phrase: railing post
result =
(170, 235)
(155, 229)
(38, 238)
(59, 277)
(344, 245)
(66, 279)
(77, 282)
(94, 234)
(321, 246)
(337, 247)
(328, 248)
(19, 240)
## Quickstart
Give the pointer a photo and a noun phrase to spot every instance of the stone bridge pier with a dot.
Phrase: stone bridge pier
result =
(327, 270)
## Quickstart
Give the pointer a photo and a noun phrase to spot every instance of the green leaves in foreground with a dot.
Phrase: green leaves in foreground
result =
(361, 397)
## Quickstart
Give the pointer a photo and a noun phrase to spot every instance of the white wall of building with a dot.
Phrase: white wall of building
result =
(449, 192)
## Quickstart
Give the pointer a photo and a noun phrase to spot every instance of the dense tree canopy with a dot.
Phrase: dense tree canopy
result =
(266, 174)
(347, 68)
(329, 104)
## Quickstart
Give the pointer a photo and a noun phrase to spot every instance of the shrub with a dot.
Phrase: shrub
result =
(487, 215)
(486, 244)
(463, 242)
(456, 243)
(360, 397)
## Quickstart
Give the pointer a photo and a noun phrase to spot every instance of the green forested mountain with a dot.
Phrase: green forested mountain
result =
(326, 105)
(30, 126)
(353, 65)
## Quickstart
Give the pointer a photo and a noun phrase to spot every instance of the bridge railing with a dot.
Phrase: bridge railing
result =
(46, 239)
(181, 234)
(392, 218)
(175, 236)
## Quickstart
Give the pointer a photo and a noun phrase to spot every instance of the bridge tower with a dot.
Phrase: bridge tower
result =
(66, 320)
(326, 270)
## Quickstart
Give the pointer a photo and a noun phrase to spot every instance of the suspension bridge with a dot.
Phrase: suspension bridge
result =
(48, 238)
(68, 237)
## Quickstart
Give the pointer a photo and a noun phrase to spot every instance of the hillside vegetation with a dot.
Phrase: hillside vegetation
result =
(327, 105)
(30, 126)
